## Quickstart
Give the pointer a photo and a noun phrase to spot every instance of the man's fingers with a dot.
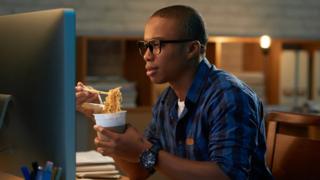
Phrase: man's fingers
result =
(81, 96)
(93, 98)
(80, 84)
(84, 94)
(106, 132)
(85, 97)
(105, 152)
(88, 112)
(104, 143)
(104, 147)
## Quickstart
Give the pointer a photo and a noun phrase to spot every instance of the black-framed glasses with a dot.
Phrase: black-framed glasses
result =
(155, 45)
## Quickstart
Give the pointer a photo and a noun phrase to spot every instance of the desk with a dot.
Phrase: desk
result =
(122, 178)
(7, 176)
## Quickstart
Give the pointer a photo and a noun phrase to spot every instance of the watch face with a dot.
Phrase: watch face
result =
(148, 159)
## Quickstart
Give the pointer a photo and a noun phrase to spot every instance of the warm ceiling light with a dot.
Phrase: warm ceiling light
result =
(265, 42)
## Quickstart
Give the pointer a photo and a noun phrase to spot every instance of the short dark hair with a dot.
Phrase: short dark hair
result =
(192, 22)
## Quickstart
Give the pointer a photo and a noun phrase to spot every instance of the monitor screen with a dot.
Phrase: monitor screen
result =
(37, 67)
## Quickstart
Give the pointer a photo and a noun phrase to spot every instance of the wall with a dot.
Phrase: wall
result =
(279, 18)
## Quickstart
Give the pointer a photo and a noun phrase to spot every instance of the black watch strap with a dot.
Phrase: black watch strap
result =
(155, 148)
(149, 158)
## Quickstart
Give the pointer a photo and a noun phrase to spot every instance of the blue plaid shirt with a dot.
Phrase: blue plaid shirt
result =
(222, 122)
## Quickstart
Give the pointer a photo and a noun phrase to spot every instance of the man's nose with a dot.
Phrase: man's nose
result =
(148, 55)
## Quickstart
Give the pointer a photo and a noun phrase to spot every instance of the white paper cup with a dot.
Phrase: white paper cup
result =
(116, 122)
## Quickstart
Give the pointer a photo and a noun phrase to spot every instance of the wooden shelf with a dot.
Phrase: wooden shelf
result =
(132, 67)
(132, 63)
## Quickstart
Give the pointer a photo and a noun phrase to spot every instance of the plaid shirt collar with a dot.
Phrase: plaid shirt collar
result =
(199, 81)
(197, 85)
(194, 92)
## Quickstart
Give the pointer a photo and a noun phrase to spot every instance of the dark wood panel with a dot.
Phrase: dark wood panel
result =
(211, 52)
(296, 158)
(105, 57)
(292, 151)
(252, 58)
(272, 73)
(81, 57)
(134, 70)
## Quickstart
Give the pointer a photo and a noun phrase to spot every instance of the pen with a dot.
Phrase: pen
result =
(48, 171)
(39, 175)
(35, 167)
(25, 172)
(46, 175)
(58, 174)
(53, 173)
(49, 166)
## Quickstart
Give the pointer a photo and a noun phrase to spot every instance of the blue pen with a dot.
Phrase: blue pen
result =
(46, 175)
(39, 175)
(25, 172)
(47, 171)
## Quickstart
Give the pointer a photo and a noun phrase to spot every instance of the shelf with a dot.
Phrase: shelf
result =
(106, 55)
(115, 56)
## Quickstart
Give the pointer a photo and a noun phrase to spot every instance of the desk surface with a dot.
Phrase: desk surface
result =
(122, 178)
(7, 176)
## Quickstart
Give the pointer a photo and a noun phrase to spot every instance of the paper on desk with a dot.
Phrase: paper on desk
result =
(92, 157)
(110, 177)
(99, 174)
(88, 168)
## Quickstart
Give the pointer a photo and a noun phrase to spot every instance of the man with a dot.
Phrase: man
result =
(206, 125)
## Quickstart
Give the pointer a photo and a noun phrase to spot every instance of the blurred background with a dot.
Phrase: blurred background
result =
(286, 74)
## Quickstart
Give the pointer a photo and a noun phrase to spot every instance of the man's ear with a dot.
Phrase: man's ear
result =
(194, 49)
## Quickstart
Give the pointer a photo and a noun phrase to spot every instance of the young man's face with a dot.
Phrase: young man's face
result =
(171, 63)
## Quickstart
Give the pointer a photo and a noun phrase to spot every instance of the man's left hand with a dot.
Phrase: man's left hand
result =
(127, 146)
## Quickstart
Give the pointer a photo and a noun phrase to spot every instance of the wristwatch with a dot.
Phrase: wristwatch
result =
(149, 158)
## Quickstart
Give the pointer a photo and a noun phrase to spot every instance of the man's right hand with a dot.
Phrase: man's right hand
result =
(83, 96)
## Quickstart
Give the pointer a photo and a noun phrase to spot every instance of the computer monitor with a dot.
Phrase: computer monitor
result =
(37, 67)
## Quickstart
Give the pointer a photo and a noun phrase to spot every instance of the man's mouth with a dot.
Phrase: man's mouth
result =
(151, 70)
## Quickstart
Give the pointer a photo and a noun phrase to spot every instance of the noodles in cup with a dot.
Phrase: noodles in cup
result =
(110, 115)
(113, 100)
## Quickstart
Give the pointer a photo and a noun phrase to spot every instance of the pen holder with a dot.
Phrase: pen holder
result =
(49, 172)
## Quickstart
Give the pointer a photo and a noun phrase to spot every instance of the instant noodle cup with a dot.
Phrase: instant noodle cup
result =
(115, 122)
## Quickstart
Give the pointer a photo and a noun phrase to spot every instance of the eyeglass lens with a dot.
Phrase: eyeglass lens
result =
(154, 47)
